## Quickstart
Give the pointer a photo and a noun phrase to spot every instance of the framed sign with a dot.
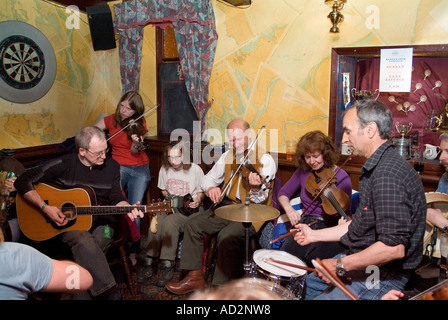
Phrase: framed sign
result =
(27, 62)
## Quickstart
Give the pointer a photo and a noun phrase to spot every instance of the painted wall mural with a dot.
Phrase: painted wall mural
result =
(271, 67)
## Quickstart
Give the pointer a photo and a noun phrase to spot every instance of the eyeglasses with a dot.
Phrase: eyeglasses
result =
(99, 154)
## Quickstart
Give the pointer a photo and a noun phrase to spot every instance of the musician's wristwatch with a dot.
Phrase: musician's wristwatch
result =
(340, 271)
(445, 229)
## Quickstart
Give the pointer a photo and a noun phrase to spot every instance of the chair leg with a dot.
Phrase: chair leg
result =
(211, 255)
(127, 269)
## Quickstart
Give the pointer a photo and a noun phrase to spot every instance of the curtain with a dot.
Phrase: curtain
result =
(196, 37)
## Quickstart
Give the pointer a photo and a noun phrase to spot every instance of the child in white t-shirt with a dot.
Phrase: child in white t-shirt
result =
(180, 182)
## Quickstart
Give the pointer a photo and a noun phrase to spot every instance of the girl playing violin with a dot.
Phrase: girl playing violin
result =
(127, 145)
(315, 155)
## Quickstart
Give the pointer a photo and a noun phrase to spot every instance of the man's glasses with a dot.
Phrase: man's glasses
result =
(99, 154)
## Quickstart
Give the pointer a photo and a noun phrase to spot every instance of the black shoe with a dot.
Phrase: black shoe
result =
(145, 273)
(165, 276)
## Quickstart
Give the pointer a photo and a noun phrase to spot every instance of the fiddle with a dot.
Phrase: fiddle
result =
(334, 200)
(248, 167)
(134, 125)
(235, 167)
(322, 184)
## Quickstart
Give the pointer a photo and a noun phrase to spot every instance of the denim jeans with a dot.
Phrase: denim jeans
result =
(136, 178)
(360, 285)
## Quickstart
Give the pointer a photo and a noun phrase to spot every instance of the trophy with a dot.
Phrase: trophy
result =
(365, 94)
(433, 122)
(402, 144)
(443, 119)
(403, 129)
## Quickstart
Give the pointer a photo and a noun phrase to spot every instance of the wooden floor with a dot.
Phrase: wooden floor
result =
(427, 275)
(148, 289)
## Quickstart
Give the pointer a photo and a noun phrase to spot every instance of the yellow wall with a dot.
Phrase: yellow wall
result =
(272, 64)
(87, 82)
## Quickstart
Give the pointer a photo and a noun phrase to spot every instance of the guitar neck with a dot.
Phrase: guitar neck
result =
(106, 210)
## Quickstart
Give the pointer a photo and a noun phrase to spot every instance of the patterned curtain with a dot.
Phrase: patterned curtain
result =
(196, 37)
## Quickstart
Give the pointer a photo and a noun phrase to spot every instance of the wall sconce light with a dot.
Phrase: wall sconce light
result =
(335, 15)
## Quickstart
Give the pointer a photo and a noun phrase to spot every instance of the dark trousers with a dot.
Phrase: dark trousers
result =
(230, 242)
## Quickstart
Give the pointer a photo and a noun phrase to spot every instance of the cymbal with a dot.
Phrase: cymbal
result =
(247, 213)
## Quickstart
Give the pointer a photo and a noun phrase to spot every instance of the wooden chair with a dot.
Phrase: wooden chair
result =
(118, 245)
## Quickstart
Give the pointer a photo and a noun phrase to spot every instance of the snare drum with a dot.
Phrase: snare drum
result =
(290, 277)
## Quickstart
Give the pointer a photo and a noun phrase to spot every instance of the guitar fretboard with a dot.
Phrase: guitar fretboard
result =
(105, 210)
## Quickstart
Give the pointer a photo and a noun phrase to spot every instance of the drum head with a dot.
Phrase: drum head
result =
(261, 257)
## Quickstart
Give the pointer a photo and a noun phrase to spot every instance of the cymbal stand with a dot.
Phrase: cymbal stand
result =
(247, 264)
(246, 225)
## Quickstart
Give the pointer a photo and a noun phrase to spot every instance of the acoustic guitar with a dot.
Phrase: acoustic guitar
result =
(77, 204)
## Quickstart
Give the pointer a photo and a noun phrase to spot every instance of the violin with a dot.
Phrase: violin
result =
(248, 167)
(242, 166)
(322, 184)
(134, 125)
(334, 200)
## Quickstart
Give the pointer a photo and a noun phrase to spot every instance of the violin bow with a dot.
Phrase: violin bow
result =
(133, 121)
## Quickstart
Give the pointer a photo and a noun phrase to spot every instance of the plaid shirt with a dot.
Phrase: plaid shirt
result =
(392, 207)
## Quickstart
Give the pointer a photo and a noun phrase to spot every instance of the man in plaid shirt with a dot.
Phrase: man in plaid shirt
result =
(384, 239)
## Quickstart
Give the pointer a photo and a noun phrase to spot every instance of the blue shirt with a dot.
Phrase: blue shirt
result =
(443, 184)
(23, 270)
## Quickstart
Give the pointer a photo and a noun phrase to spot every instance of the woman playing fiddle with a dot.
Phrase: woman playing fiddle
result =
(127, 144)
(315, 157)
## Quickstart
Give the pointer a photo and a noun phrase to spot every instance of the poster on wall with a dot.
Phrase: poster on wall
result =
(396, 70)
(27, 62)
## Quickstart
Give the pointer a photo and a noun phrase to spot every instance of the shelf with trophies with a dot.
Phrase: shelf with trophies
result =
(420, 110)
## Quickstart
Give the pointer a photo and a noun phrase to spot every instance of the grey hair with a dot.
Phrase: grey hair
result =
(371, 110)
(444, 136)
(85, 135)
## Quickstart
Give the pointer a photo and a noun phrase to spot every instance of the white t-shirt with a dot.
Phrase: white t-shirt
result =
(181, 182)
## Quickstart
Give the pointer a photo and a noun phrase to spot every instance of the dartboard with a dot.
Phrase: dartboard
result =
(27, 62)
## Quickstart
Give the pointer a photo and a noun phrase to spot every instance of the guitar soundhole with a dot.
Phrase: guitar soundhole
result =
(69, 210)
